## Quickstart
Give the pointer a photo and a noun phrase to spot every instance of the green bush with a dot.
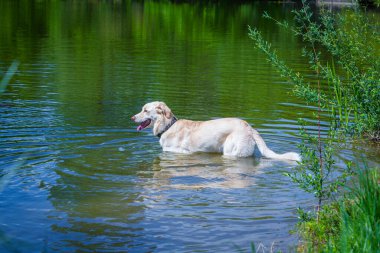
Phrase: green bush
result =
(350, 225)
(352, 39)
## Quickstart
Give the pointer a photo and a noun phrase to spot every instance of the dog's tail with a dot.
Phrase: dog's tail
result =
(265, 151)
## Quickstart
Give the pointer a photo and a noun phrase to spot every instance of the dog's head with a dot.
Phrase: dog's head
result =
(155, 114)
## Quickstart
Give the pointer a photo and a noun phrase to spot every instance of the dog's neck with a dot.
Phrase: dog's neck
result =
(174, 120)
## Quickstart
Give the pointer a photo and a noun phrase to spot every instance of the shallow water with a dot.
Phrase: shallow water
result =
(75, 176)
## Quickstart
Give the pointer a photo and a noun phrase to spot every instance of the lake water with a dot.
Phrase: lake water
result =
(76, 176)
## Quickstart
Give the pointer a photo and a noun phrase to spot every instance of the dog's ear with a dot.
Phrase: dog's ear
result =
(163, 109)
(159, 109)
(167, 112)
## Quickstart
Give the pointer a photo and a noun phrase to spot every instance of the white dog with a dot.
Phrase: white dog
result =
(230, 136)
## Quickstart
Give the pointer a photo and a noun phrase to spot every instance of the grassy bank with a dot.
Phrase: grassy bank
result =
(351, 224)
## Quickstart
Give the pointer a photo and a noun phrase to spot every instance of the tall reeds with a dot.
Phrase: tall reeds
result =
(350, 225)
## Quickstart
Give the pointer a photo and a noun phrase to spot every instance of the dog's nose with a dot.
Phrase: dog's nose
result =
(133, 118)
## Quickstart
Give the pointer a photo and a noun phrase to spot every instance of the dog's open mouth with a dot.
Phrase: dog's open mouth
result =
(143, 125)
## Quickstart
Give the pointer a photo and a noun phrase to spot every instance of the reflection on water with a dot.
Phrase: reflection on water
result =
(154, 205)
(199, 171)
(75, 176)
(203, 170)
(225, 200)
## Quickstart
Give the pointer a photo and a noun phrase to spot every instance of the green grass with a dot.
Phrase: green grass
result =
(349, 225)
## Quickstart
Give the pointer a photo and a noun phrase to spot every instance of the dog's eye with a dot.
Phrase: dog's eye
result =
(145, 110)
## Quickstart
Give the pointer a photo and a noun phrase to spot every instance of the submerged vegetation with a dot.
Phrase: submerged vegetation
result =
(353, 101)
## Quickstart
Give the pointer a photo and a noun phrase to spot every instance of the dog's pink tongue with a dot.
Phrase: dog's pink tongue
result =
(139, 128)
